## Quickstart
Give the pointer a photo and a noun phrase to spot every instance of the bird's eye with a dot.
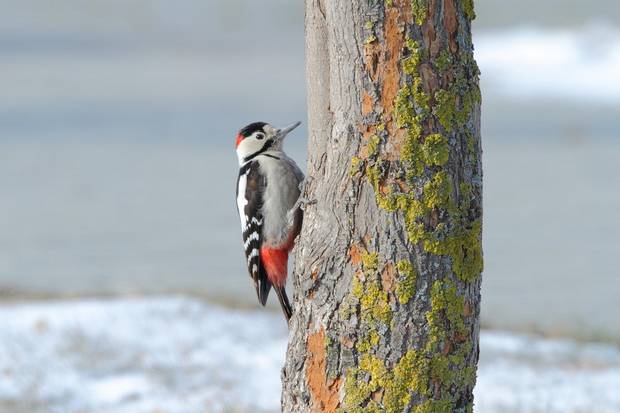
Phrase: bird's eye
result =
(260, 136)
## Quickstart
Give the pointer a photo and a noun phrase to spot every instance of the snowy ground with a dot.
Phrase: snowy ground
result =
(178, 355)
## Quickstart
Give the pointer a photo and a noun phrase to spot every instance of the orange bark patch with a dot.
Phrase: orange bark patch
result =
(429, 79)
(354, 254)
(467, 310)
(460, 338)
(347, 342)
(387, 277)
(324, 395)
(434, 218)
(382, 59)
(451, 23)
(367, 104)
(372, 52)
(404, 188)
(429, 33)
(383, 63)
(368, 131)
(395, 144)
(390, 67)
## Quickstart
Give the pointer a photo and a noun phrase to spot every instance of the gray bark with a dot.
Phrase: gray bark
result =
(387, 268)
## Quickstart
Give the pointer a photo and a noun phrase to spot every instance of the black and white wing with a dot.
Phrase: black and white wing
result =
(250, 190)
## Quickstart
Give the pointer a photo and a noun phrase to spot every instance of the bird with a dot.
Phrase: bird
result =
(268, 193)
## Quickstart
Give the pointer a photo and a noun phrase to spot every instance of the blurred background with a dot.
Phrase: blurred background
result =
(122, 286)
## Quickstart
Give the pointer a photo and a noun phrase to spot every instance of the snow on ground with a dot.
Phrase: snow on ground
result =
(161, 355)
(179, 355)
(519, 373)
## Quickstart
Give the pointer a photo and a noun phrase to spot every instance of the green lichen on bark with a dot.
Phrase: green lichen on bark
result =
(355, 166)
(370, 39)
(445, 108)
(373, 145)
(411, 62)
(468, 8)
(444, 60)
(406, 286)
(454, 109)
(435, 150)
(367, 341)
(440, 217)
(370, 261)
(448, 346)
(420, 11)
(432, 374)
(423, 159)
(446, 306)
(437, 191)
(375, 314)
(373, 171)
(455, 103)
(373, 302)
(464, 246)
(411, 107)
(397, 383)
(371, 36)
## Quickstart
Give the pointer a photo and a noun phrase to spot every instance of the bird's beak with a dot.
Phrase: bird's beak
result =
(285, 131)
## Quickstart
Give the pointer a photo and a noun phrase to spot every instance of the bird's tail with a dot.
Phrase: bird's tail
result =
(287, 309)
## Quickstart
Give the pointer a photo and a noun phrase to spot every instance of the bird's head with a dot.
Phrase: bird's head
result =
(258, 137)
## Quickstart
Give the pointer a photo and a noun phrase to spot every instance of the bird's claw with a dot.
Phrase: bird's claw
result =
(303, 200)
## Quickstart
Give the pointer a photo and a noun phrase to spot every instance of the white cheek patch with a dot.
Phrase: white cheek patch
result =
(248, 146)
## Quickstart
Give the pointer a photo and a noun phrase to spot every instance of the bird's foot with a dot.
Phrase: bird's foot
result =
(303, 185)
(301, 204)
(304, 200)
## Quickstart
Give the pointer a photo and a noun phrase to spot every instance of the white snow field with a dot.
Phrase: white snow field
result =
(180, 355)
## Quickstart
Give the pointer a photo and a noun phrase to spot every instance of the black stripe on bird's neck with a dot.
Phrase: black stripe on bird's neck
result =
(245, 168)
(265, 148)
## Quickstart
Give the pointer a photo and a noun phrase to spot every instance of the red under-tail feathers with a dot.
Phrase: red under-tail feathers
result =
(275, 262)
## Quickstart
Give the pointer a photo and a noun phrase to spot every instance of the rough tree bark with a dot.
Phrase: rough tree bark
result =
(387, 275)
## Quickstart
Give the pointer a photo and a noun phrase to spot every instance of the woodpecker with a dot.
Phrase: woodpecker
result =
(268, 190)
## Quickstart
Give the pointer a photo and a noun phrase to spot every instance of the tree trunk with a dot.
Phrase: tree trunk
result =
(388, 264)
